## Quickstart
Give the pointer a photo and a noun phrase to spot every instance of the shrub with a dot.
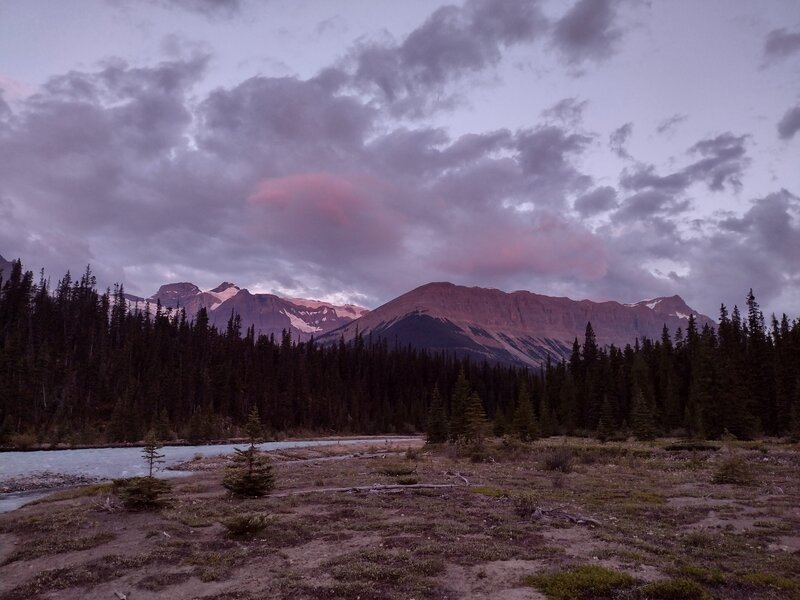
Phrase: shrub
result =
(250, 474)
(142, 493)
(559, 459)
(581, 583)
(413, 453)
(488, 490)
(674, 589)
(525, 505)
(407, 480)
(245, 526)
(396, 470)
(703, 575)
(734, 470)
(692, 446)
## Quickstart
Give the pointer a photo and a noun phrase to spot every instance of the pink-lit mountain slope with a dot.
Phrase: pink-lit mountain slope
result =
(516, 328)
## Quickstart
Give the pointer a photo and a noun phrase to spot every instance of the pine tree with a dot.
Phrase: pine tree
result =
(524, 424)
(642, 418)
(144, 493)
(437, 420)
(474, 419)
(150, 452)
(605, 426)
(461, 397)
(250, 474)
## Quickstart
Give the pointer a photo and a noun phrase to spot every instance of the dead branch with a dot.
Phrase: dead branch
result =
(558, 512)
(378, 487)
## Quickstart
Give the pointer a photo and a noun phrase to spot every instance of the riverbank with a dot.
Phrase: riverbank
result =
(22, 473)
(625, 520)
(48, 447)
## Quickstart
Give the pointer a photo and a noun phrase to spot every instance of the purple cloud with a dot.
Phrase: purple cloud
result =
(452, 43)
(789, 123)
(780, 44)
(587, 31)
(668, 125)
(599, 200)
(619, 139)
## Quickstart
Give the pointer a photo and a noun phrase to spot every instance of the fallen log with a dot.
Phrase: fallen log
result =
(378, 487)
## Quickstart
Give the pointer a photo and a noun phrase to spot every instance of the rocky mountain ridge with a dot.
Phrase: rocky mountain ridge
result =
(515, 328)
(267, 313)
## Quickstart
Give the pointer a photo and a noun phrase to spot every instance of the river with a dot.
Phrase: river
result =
(112, 463)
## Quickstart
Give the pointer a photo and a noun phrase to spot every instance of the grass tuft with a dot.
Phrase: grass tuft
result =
(559, 459)
(581, 583)
(674, 589)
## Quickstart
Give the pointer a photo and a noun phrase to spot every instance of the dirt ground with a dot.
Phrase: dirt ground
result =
(357, 522)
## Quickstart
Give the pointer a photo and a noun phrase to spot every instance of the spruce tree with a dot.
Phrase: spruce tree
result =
(144, 493)
(150, 452)
(461, 397)
(642, 417)
(524, 424)
(605, 426)
(437, 420)
(250, 473)
(474, 419)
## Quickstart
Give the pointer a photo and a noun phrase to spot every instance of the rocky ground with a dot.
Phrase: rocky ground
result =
(558, 518)
(43, 480)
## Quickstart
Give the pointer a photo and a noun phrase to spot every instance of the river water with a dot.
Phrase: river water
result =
(112, 463)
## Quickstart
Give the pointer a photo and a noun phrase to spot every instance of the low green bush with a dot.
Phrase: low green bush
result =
(245, 526)
(558, 459)
(674, 589)
(582, 583)
(142, 493)
(734, 470)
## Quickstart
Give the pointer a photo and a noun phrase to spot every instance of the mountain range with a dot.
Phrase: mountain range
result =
(519, 328)
(267, 313)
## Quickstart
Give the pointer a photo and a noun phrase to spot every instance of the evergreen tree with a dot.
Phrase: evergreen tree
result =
(606, 426)
(151, 453)
(437, 420)
(250, 472)
(642, 418)
(474, 419)
(461, 397)
(524, 424)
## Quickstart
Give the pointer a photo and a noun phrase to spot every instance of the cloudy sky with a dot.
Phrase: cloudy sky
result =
(355, 149)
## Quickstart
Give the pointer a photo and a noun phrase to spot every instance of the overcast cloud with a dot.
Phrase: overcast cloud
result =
(360, 173)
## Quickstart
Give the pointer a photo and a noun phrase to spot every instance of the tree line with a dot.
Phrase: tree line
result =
(78, 367)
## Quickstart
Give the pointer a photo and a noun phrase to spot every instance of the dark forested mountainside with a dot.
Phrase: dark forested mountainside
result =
(77, 367)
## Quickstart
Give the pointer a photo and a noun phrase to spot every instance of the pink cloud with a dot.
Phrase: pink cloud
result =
(323, 214)
(545, 245)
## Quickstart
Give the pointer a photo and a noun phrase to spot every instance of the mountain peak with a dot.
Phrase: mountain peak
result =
(182, 288)
(225, 285)
(520, 327)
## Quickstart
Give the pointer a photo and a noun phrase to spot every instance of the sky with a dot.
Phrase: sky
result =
(354, 150)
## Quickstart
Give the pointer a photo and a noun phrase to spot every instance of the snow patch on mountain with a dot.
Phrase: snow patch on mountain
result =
(348, 311)
(299, 324)
(224, 292)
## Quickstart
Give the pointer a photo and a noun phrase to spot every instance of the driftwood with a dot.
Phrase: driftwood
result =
(110, 505)
(558, 512)
(377, 487)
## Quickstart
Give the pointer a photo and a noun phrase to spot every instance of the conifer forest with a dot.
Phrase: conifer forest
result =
(77, 367)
